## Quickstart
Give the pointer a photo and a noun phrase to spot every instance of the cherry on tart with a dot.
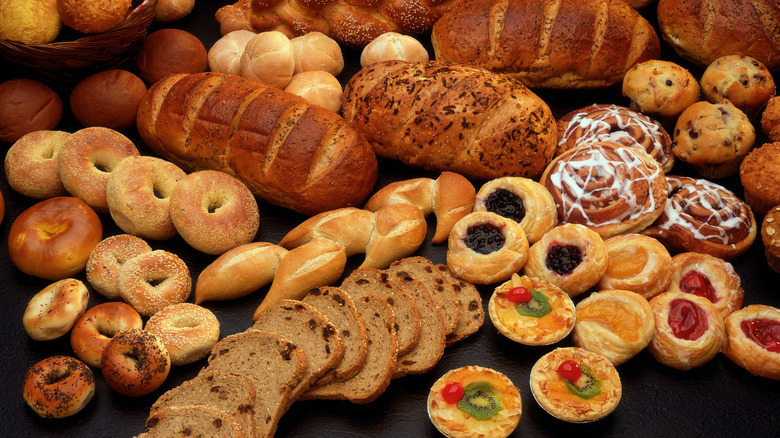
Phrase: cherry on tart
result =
(474, 401)
(576, 385)
(615, 323)
(707, 276)
(689, 330)
(753, 340)
(531, 311)
(570, 256)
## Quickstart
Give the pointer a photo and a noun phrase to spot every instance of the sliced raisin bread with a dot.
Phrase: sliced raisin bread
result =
(472, 314)
(372, 380)
(371, 281)
(273, 364)
(190, 422)
(340, 310)
(430, 347)
(230, 393)
(310, 330)
(441, 290)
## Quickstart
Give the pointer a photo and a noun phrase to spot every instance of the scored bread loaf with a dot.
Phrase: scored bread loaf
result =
(288, 152)
(548, 44)
(450, 117)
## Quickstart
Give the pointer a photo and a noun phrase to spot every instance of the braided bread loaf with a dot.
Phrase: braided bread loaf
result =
(352, 23)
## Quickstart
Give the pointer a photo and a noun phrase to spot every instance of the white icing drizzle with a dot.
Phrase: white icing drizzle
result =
(596, 124)
(725, 211)
(591, 176)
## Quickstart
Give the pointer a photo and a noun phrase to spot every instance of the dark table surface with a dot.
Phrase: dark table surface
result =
(717, 399)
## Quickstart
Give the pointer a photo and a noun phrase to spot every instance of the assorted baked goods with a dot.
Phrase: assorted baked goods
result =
(752, 340)
(660, 87)
(52, 312)
(689, 330)
(31, 164)
(27, 105)
(709, 277)
(464, 119)
(567, 51)
(531, 311)
(474, 401)
(95, 328)
(576, 385)
(58, 387)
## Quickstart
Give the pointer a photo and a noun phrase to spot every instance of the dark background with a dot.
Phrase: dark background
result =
(717, 399)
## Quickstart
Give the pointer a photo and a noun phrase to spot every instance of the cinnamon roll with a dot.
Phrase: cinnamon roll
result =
(702, 216)
(610, 188)
(604, 122)
(709, 277)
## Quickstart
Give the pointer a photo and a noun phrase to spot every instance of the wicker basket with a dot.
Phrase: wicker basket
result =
(62, 62)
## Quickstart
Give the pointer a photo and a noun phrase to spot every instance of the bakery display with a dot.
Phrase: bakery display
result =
(576, 385)
(474, 401)
(398, 407)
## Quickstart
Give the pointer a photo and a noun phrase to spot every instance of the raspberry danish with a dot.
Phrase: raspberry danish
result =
(709, 277)
(615, 123)
(608, 187)
(702, 216)
(753, 340)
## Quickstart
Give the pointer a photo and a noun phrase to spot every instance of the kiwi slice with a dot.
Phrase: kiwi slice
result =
(481, 400)
(589, 386)
(536, 307)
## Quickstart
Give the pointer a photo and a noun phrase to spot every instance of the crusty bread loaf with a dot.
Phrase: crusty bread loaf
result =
(472, 314)
(273, 364)
(287, 151)
(184, 422)
(702, 31)
(348, 22)
(336, 304)
(548, 44)
(381, 355)
(233, 394)
(445, 116)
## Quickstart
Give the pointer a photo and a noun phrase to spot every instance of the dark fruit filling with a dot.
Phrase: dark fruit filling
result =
(563, 259)
(687, 320)
(484, 238)
(507, 204)
(764, 332)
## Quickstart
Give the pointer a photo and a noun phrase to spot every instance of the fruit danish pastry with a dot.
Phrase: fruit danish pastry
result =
(521, 199)
(611, 188)
(570, 256)
(689, 330)
(704, 217)
(753, 340)
(710, 277)
(637, 263)
(474, 401)
(531, 311)
(576, 385)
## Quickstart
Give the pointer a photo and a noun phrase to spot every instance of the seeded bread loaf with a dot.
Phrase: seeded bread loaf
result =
(336, 304)
(370, 281)
(381, 356)
(273, 364)
(186, 422)
(472, 314)
(235, 395)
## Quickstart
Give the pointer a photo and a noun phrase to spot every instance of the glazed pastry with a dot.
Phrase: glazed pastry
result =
(486, 248)
(689, 330)
(637, 263)
(521, 199)
(615, 323)
(576, 385)
(704, 217)
(474, 401)
(570, 256)
(759, 174)
(710, 277)
(602, 122)
(531, 311)
(743, 80)
(660, 87)
(753, 340)
(608, 187)
(770, 236)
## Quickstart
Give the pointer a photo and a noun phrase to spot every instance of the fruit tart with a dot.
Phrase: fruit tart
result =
(474, 401)
(753, 340)
(531, 311)
(576, 385)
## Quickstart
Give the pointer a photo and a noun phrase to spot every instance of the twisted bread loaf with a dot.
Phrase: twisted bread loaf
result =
(288, 152)
(348, 22)
(550, 44)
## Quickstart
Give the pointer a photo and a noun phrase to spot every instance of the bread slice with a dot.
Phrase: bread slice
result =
(230, 393)
(472, 314)
(192, 421)
(372, 380)
(340, 310)
(311, 331)
(441, 290)
(372, 281)
(430, 347)
(272, 363)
